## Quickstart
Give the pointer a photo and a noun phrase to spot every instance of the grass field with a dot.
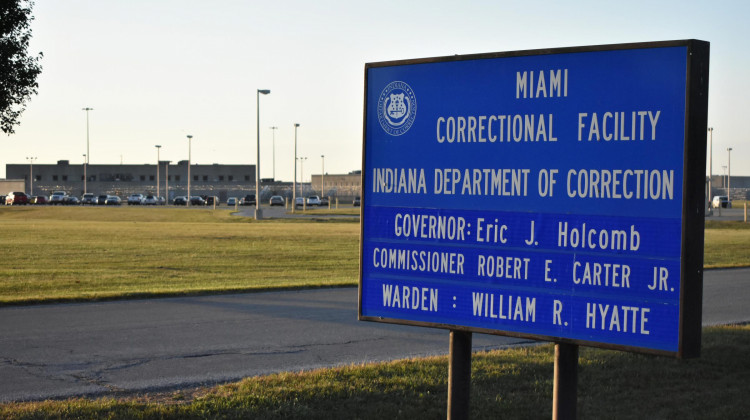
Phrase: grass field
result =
(513, 384)
(89, 253)
(727, 244)
(52, 254)
(63, 254)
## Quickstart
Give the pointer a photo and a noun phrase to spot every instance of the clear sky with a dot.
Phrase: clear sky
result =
(157, 70)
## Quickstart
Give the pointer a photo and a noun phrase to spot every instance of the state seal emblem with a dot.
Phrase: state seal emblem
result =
(397, 108)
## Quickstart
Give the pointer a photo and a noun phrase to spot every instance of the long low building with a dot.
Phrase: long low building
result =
(737, 188)
(214, 180)
(123, 180)
(338, 185)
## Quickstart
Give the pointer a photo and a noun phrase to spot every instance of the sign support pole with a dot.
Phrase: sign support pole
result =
(459, 375)
(565, 391)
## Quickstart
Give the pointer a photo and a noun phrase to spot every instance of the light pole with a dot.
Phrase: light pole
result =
(31, 174)
(302, 171)
(88, 153)
(85, 177)
(166, 181)
(294, 183)
(729, 174)
(710, 162)
(258, 213)
(190, 140)
(322, 174)
(273, 145)
(158, 149)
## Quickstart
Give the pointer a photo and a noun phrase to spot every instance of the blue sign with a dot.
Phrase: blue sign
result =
(530, 195)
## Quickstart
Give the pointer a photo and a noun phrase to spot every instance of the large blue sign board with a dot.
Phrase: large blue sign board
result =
(535, 194)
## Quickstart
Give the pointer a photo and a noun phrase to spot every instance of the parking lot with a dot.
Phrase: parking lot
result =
(275, 206)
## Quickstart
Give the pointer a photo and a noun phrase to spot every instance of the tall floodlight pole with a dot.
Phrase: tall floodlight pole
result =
(158, 147)
(302, 171)
(166, 181)
(88, 153)
(190, 139)
(710, 162)
(322, 174)
(31, 174)
(729, 174)
(294, 183)
(273, 147)
(258, 213)
(85, 177)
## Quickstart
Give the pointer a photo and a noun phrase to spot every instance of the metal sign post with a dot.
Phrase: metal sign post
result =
(459, 375)
(565, 388)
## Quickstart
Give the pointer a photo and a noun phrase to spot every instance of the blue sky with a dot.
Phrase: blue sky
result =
(156, 71)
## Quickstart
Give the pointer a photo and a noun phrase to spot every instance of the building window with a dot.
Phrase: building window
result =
(81, 177)
(64, 177)
(221, 177)
(247, 177)
(176, 177)
(231, 178)
(143, 177)
(195, 177)
(150, 177)
(92, 178)
(38, 177)
(205, 177)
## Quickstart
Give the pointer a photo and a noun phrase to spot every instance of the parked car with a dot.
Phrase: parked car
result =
(88, 198)
(248, 200)
(299, 202)
(324, 201)
(16, 198)
(180, 200)
(232, 201)
(57, 197)
(113, 200)
(356, 202)
(149, 200)
(135, 199)
(102, 199)
(71, 200)
(211, 199)
(197, 200)
(38, 199)
(721, 201)
(313, 200)
(160, 201)
(276, 200)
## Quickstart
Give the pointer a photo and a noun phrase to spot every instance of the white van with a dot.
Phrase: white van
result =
(721, 201)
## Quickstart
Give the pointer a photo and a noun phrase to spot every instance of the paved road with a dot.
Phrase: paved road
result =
(734, 214)
(97, 348)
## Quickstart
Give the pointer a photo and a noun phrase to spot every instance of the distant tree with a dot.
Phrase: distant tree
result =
(18, 70)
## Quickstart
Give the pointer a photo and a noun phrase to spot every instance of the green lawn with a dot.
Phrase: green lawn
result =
(727, 244)
(510, 384)
(89, 253)
(94, 253)
(100, 253)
